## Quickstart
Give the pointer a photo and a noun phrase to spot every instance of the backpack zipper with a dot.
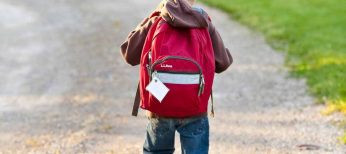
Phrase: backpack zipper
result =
(149, 65)
(174, 72)
(201, 80)
(176, 57)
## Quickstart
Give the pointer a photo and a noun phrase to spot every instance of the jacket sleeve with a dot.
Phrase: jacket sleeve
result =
(131, 49)
(223, 58)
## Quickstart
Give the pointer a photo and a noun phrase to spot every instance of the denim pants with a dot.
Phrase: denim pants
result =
(194, 135)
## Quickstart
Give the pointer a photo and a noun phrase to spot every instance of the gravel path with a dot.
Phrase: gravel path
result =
(65, 89)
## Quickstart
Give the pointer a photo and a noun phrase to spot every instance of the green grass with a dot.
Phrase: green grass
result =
(311, 32)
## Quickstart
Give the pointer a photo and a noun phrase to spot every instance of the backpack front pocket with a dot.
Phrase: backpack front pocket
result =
(183, 91)
(184, 79)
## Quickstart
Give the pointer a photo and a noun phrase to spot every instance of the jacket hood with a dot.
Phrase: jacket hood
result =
(179, 13)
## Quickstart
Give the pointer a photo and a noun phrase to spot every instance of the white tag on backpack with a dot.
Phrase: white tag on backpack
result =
(157, 89)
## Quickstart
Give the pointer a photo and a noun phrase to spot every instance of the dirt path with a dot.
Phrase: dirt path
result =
(65, 89)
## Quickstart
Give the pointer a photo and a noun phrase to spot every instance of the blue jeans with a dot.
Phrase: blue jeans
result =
(194, 135)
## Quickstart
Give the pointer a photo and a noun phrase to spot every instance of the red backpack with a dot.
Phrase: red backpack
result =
(183, 60)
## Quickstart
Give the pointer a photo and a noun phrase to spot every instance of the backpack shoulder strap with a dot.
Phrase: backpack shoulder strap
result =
(212, 114)
(152, 29)
(136, 102)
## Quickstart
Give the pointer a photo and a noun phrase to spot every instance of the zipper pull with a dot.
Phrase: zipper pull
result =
(149, 65)
(148, 69)
(154, 74)
(201, 86)
(149, 57)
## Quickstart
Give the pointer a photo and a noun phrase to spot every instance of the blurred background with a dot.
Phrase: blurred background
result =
(311, 33)
(64, 87)
(63, 82)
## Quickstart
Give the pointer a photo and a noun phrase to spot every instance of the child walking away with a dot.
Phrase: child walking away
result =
(179, 51)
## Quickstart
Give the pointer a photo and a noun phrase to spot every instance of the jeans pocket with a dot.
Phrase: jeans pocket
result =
(195, 127)
(159, 126)
(202, 126)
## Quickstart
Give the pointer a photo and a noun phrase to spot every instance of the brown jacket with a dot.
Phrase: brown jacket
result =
(177, 13)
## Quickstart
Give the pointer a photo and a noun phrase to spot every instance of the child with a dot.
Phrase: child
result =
(194, 131)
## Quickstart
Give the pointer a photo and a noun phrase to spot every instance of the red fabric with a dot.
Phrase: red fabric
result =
(195, 43)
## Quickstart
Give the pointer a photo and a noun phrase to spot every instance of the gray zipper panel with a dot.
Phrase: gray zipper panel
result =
(175, 78)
